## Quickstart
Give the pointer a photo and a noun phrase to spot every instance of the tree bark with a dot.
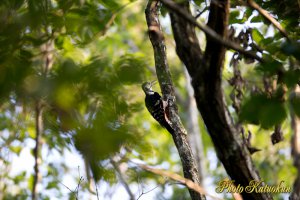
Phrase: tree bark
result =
(164, 77)
(206, 73)
(295, 144)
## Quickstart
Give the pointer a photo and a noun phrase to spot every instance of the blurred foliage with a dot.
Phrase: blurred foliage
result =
(84, 61)
(263, 95)
(260, 109)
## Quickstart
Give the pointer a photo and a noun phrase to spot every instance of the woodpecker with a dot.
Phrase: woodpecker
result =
(156, 106)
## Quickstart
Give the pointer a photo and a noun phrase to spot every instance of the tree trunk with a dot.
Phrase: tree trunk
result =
(164, 77)
(206, 73)
(295, 144)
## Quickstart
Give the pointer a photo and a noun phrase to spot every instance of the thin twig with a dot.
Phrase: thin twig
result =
(48, 61)
(201, 12)
(266, 15)
(66, 187)
(76, 191)
(121, 178)
(209, 32)
(79, 182)
(97, 193)
(188, 183)
(143, 193)
(38, 145)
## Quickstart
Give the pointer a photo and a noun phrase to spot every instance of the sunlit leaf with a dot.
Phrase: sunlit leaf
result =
(257, 36)
(234, 17)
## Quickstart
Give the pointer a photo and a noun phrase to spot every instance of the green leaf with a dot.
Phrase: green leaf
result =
(198, 2)
(257, 18)
(111, 4)
(16, 149)
(233, 19)
(250, 108)
(272, 67)
(257, 36)
(30, 182)
(19, 178)
(52, 184)
(260, 109)
(291, 78)
(291, 48)
(272, 113)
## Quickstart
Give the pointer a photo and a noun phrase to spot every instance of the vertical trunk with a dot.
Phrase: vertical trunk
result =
(206, 73)
(47, 58)
(193, 129)
(295, 144)
(156, 36)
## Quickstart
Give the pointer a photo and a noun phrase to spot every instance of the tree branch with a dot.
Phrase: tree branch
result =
(266, 15)
(47, 57)
(190, 184)
(122, 179)
(206, 74)
(37, 148)
(210, 33)
(164, 77)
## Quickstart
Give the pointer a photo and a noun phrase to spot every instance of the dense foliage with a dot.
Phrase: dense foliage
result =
(82, 63)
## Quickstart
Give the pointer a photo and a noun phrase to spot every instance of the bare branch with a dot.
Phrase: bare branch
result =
(37, 148)
(190, 184)
(97, 193)
(79, 182)
(266, 15)
(76, 191)
(47, 58)
(143, 193)
(66, 187)
(209, 31)
(122, 179)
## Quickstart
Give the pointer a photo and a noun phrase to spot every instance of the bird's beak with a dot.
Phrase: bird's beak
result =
(153, 82)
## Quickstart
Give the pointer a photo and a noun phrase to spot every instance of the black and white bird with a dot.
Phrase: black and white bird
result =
(156, 106)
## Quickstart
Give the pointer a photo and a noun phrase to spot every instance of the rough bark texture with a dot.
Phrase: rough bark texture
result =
(206, 73)
(163, 74)
(210, 32)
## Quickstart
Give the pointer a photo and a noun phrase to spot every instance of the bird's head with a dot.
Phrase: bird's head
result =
(147, 87)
